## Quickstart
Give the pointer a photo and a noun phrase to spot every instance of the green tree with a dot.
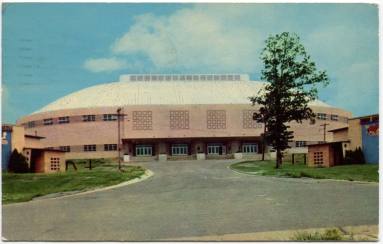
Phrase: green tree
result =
(18, 163)
(291, 79)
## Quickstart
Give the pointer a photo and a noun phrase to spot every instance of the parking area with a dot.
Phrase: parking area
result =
(193, 198)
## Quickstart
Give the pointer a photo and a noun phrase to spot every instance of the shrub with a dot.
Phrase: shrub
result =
(328, 235)
(18, 163)
(354, 157)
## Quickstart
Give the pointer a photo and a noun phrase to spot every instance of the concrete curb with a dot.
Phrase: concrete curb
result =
(146, 175)
(302, 178)
(359, 233)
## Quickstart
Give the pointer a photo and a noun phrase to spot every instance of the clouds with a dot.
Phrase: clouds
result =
(222, 38)
(104, 64)
(192, 39)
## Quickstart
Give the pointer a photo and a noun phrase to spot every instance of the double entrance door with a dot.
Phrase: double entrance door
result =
(216, 149)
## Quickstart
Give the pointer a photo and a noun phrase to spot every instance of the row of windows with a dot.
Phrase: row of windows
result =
(91, 148)
(323, 116)
(300, 144)
(182, 149)
(144, 150)
(216, 119)
(176, 149)
(66, 119)
(183, 77)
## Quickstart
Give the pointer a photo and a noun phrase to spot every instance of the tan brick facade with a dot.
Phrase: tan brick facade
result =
(231, 122)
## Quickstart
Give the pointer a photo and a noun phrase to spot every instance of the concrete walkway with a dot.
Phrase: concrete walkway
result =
(193, 199)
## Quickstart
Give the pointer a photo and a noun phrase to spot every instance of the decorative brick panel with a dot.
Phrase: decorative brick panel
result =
(179, 119)
(216, 119)
(248, 122)
(142, 120)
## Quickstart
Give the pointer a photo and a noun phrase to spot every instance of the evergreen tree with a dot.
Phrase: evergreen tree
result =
(18, 163)
(291, 79)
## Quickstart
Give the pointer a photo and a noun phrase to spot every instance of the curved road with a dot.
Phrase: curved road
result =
(193, 198)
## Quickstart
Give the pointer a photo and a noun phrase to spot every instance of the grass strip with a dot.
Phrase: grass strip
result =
(24, 187)
(355, 172)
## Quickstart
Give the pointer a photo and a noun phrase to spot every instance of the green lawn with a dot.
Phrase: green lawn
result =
(358, 172)
(24, 187)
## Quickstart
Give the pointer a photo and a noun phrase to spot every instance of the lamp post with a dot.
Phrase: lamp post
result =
(119, 116)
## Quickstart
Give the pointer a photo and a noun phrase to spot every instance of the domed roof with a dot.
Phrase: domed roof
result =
(164, 89)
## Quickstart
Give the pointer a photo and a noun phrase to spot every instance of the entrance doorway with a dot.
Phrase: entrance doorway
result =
(216, 149)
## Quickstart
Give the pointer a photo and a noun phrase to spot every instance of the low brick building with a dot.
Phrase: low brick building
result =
(326, 154)
(39, 159)
(361, 132)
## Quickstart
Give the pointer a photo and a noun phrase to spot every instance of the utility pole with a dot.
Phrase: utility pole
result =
(324, 131)
(119, 116)
(119, 137)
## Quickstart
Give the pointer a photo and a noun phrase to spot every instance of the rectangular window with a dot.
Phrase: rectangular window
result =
(48, 121)
(31, 124)
(89, 118)
(249, 148)
(143, 150)
(179, 149)
(110, 147)
(214, 149)
(55, 164)
(110, 117)
(334, 117)
(64, 120)
(321, 116)
(89, 148)
(318, 158)
(65, 148)
(300, 144)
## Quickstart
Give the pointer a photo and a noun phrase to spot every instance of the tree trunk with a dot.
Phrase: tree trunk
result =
(279, 159)
(263, 151)
(263, 142)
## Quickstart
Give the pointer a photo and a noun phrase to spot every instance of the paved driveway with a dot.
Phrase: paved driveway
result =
(192, 198)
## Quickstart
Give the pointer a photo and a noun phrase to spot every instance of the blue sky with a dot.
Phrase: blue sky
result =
(51, 50)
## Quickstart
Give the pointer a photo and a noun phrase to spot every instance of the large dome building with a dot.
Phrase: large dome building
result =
(166, 117)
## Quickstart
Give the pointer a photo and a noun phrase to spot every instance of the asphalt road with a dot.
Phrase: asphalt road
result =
(192, 198)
